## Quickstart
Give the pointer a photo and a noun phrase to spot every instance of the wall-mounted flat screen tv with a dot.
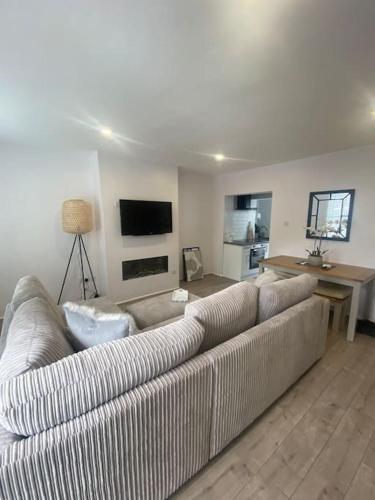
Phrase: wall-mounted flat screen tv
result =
(139, 218)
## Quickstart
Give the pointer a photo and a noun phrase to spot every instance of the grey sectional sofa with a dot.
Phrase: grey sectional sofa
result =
(137, 417)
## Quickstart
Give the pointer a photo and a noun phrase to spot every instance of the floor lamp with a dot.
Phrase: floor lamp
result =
(77, 220)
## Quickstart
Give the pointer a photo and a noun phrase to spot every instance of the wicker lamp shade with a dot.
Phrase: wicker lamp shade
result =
(77, 217)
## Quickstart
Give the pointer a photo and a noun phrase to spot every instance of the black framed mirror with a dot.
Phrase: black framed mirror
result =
(330, 215)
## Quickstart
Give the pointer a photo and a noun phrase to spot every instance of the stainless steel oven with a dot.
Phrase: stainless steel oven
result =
(258, 252)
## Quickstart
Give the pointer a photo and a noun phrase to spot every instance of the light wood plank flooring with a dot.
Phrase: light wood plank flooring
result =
(316, 442)
(210, 284)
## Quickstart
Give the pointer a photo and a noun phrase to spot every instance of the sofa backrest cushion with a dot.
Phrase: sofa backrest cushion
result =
(8, 316)
(30, 287)
(276, 297)
(6, 439)
(35, 339)
(226, 313)
(266, 278)
(43, 398)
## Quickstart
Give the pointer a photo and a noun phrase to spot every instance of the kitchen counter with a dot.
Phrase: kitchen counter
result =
(246, 243)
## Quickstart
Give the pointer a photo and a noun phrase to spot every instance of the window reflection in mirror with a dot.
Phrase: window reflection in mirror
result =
(330, 215)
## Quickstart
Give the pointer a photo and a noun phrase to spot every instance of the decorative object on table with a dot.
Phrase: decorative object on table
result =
(324, 266)
(315, 260)
(315, 256)
(180, 295)
(327, 267)
(77, 220)
(193, 266)
(333, 210)
(89, 326)
(250, 232)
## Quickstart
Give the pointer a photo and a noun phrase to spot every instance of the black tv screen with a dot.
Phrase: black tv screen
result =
(145, 217)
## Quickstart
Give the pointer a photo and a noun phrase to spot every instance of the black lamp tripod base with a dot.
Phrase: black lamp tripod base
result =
(82, 253)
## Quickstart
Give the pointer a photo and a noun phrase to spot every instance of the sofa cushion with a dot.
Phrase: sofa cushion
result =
(7, 438)
(266, 278)
(43, 398)
(8, 316)
(163, 323)
(35, 339)
(226, 313)
(276, 297)
(89, 327)
(30, 287)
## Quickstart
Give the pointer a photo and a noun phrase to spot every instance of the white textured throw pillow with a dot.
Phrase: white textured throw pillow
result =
(266, 278)
(89, 327)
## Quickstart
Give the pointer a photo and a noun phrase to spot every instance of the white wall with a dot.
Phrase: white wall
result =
(33, 187)
(196, 215)
(291, 184)
(122, 178)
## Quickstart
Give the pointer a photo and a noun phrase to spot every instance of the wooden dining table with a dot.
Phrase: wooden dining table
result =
(354, 276)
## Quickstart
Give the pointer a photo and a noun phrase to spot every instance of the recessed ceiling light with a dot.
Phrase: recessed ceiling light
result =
(373, 113)
(219, 157)
(107, 132)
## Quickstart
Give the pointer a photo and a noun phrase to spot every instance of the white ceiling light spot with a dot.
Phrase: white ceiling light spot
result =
(219, 157)
(107, 132)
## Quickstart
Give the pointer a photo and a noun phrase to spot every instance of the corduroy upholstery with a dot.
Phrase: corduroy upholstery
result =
(30, 287)
(8, 316)
(43, 398)
(141, 445)
(276, 297)
(7, 438)
(127, 438)
(226, 313)
(35, 339)
(256, 367)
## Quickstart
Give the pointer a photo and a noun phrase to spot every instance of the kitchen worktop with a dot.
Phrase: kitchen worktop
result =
(246, 243)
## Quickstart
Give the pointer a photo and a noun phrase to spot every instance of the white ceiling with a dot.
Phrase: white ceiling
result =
(263, 81)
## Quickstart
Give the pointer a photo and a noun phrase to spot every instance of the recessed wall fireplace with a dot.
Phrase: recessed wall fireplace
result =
(139, 268)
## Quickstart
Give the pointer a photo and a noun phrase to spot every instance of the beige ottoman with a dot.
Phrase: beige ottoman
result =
(157, 310)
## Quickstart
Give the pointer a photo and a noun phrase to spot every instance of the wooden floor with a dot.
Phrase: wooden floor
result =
(210, 284)
(316, 442)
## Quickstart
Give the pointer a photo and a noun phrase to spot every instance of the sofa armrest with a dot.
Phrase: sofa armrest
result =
(49, 396)
(143, 444)
(252, 370)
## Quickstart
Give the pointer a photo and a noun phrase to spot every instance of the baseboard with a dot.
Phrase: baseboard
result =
(145, 296)
(206, 274)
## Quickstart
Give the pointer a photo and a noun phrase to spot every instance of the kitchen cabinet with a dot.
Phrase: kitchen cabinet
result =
(232, 261)
(241, 261)
(246, 202)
